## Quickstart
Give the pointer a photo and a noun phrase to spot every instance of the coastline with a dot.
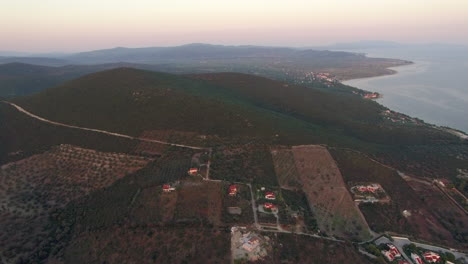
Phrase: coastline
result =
(419, 66)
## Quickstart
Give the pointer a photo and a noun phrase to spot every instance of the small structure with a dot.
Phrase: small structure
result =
(168, 188)
(233, 190)
(431, 257)
(416, 258)
(270, 195)
(234, 210)
(269, 206)
(406, 213)
(193, 171)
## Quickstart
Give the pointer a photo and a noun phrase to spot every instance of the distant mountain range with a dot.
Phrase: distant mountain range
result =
(287, 64)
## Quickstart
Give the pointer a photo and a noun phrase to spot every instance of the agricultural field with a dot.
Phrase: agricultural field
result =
(145, 244)
(32, 188)
(285, 168)
(334, 209)
(408, 213)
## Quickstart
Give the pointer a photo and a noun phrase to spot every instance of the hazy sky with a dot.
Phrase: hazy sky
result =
(75, 25)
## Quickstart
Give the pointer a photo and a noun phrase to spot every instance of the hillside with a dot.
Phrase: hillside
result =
(132, 101)
(242, 107)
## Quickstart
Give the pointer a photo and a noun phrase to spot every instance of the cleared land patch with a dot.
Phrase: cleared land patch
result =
(199, 201)
(327, 194)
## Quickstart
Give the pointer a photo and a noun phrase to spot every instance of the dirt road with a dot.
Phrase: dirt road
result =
(22, 110)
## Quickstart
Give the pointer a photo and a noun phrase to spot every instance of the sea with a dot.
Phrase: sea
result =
(434, 88)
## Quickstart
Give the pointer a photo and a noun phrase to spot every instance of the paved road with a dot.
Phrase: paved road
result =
(399, 242)
(19, 108)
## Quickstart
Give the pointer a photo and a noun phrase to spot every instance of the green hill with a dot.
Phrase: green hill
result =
(131, 101)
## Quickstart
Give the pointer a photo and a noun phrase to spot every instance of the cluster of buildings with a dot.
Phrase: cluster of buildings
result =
(396, 117)
(428, 256)
(372, 96)
(372, 188)
(324, 77)
(369, 193)
(268, 205)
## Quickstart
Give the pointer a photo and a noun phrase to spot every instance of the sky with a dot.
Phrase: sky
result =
(79, 25)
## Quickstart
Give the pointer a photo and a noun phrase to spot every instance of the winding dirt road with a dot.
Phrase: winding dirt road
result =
(22, 110)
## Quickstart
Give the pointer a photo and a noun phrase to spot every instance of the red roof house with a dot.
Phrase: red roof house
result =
(388, 255)
(416, 258)
(431, 257)
(167, 188)
(269, 206)
(394, 250)
(233, 190)
(193, 171)
(270, 195)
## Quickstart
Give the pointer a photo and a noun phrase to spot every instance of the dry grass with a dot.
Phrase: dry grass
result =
(199, 201)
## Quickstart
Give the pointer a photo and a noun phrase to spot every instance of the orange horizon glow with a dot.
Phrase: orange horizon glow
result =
(65, 25)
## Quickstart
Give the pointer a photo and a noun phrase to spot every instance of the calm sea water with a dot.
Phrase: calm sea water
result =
(434, 88)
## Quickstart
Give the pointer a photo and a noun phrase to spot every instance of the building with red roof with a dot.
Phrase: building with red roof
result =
(167, 188)
(269, 206)
(431, 257)
(193, 171)
(233, 190)
(270, 195)
(416, 258)
(394, 250)
(392, 253)
(388, 255)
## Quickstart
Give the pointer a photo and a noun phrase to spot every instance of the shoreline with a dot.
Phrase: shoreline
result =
(456, 132)
(392, 69)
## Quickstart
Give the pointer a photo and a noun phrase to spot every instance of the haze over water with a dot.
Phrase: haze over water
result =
(434, 89)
